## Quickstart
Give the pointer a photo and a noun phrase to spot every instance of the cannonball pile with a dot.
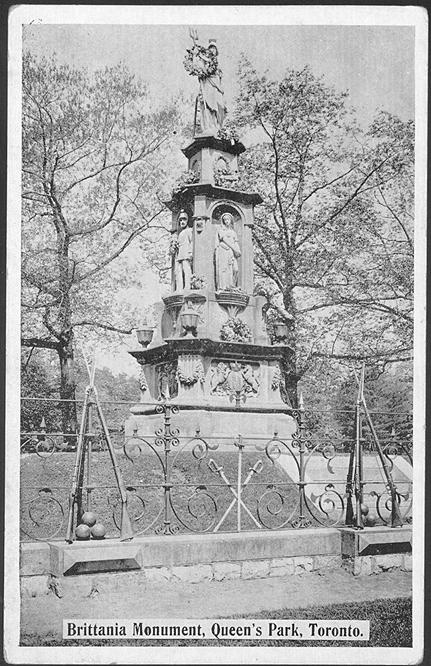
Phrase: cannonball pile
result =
(369, 519)
(89, 527)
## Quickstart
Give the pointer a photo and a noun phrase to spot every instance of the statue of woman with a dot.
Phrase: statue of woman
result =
(203, 63)
(226, 254)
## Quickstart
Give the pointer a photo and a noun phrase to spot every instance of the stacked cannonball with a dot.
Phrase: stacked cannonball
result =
(369, 518)
(89, 527)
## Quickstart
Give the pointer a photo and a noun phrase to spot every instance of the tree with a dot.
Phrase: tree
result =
(93, 151)
(39, 391)
(332, 238)
(38, 381)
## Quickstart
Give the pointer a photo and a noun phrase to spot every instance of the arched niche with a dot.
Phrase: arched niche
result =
(195, 165)
(221, 164)
(226, 207)
(216, 213)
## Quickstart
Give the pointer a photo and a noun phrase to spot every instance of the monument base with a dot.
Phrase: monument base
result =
(224, 423)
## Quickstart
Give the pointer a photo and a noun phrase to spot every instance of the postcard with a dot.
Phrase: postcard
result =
(216, 239)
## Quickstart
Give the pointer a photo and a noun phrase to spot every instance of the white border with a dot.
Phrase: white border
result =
(220, 15)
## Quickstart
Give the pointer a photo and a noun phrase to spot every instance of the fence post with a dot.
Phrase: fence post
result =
(239, 443)
(359, 521)
(301, 521)
(89, 452)
(42, 434)
(350, 514)
(168, 437)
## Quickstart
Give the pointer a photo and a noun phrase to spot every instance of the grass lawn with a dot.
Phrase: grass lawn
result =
(199, 496)
(390, 626)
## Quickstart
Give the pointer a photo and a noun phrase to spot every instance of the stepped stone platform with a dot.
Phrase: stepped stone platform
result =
(216, 557)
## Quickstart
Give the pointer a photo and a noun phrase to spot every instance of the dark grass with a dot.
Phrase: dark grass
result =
(390, 626)
(199, 496)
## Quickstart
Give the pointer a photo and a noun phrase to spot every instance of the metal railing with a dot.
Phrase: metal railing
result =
(212, 484)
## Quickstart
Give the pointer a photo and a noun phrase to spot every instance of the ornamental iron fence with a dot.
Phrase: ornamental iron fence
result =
(328, 473)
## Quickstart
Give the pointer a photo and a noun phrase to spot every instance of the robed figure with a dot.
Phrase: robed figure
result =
(227, 253)
(203, 63)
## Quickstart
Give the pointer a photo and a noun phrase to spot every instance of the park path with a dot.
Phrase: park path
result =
(118, 598)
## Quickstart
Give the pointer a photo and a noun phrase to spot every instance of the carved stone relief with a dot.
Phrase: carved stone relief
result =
(190, 370)
(167, 380)
(143, 384)
(234, 379)
(276, 378)
(199, 222)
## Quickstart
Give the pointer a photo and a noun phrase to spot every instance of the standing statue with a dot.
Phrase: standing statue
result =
(226, 254)
(203, 63)
(182, 251)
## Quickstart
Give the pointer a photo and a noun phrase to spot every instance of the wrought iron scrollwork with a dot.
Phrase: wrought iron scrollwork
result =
(46, 514)
(200, 484)
(272, 506)
(330, 504)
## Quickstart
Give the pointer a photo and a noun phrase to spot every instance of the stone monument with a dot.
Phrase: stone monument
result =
(210, 352)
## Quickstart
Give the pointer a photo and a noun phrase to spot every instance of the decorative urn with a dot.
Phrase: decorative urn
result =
(280, 332)
(189, 321)
(144, 336)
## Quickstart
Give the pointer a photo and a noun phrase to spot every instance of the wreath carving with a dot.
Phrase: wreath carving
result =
(235, 330)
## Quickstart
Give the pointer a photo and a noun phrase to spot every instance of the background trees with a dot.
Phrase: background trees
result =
(93, 157)
(40, 378)
(333, 239)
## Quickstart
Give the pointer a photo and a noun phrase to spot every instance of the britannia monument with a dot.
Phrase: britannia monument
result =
(210, 352)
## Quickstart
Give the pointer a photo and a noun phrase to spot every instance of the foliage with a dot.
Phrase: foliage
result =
(228, 132)
(39, 379)
(197, 282)
(207, 64)
(235, 330)
(186, 178)
(92, 160)
(389, 391)
(333, 237)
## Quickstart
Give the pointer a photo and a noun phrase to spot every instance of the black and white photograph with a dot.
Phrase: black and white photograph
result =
(215, 347)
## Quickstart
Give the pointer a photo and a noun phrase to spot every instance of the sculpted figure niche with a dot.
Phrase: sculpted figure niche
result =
(182, 251)
(227, 253)
(203, 63)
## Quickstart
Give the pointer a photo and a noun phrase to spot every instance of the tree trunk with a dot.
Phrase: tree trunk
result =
(289, 363)
(67, 369)
(67, 387)
(291, 383)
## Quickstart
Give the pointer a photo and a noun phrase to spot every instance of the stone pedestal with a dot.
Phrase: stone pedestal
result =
(223, 389)
(211, 353)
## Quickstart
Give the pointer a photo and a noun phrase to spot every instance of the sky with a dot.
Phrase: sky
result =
(374, 63)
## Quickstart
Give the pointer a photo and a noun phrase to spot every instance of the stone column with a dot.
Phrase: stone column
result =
(203, 242)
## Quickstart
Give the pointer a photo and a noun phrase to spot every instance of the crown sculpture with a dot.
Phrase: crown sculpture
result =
(210, 352)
